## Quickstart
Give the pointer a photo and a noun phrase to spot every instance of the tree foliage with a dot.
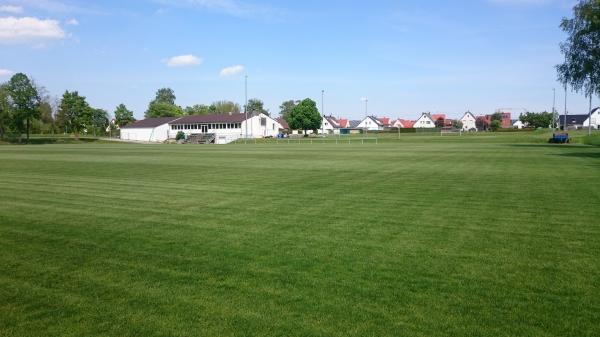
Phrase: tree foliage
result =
(163, 105)
(495, 125)
(305, 116)
(581, 68)
(226, 107)
(285, 109)
(199, 109)
(74, 113)
(123, 116)
(537, 120)
(5, 112)
(163, 109)
(256, 106)
(24, 102)
(165, 95)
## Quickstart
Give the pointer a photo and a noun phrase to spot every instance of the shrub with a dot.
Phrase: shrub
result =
(180, 136)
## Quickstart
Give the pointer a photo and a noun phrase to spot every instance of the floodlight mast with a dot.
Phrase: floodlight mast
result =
(246, 105)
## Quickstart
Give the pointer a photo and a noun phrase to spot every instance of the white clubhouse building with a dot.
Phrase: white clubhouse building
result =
(225, 128)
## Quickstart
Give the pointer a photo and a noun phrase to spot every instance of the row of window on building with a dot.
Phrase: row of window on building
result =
(212, 126)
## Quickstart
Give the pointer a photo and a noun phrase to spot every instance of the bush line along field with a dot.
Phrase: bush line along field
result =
(425, 237)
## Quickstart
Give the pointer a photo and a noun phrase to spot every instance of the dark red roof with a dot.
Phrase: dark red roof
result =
(235, 118)
(283, 123)
(150, 123)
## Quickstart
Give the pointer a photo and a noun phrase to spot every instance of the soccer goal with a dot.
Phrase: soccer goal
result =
(451, 132)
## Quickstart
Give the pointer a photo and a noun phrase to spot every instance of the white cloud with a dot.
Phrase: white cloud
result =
(11, 9)
(5, 72)
(184, 61)
(29, 29)
(231, 71)
(72, 22)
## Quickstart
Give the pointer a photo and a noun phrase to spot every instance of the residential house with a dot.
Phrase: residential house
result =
(425, 122)
(371, 123)
(469, 121)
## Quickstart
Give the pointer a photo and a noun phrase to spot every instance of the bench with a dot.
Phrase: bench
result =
(560, 138)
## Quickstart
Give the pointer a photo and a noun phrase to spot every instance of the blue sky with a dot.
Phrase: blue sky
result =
(407, 57)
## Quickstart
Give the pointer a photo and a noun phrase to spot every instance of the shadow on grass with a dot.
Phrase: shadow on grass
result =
(50, 140)
(591, 155)
(546, 145)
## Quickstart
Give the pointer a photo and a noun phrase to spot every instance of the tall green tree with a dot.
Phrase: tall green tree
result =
(581, 68)
(537, 120)
(198, 109)
(226, 107)
(165, 95)
(305, 116)
(74, 113)
(256, 107)
(5, 111)
(25, 101)
(98, 121)
(285, 109)
(163, 105)
(163, 109)
(123, 116)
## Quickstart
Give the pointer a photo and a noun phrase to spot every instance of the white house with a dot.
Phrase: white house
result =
(424, 122)
(330, 125)
(148, 130)
(595, 119)
(224, 128)
(518, 124)
(371, 123)
(581, 121)
(468, 121)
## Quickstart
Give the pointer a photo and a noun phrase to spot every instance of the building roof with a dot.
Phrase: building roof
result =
(468, 113)
(435, 117)
(354, 124)
(196, 119)
(344, 123)
(573, 119)
(333, 121)
(385, 121)
(150, 123)
(407, 124)
(283, 123)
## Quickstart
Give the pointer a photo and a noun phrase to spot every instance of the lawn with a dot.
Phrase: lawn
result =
(428, 236)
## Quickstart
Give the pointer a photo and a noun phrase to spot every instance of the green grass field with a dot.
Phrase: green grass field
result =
(431, 236)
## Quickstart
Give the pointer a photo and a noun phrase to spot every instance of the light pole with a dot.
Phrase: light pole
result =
(246, 105)
(554, 108)
(323, 111)
(366, 100)
(590, 117)
(566, 112)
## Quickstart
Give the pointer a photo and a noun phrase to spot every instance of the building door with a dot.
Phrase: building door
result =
(204, 128)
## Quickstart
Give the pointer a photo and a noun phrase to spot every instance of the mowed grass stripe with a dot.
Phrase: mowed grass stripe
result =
(323, 247)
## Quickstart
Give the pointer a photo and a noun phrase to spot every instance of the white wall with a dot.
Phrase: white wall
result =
(595, 120)
(157, 134)
(369, 124)
(424, 123)
(469, 122)
(256, 130)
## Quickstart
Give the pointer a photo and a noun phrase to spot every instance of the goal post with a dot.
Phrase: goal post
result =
(451, 132)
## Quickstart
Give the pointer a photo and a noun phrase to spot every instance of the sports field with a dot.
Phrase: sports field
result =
(423, 237)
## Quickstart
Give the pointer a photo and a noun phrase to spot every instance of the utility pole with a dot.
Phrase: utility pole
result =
(554, 109)
(590, 117)
(566, 112)
(246, 105)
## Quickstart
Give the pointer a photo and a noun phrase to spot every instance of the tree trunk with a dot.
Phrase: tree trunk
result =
(27, 129)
